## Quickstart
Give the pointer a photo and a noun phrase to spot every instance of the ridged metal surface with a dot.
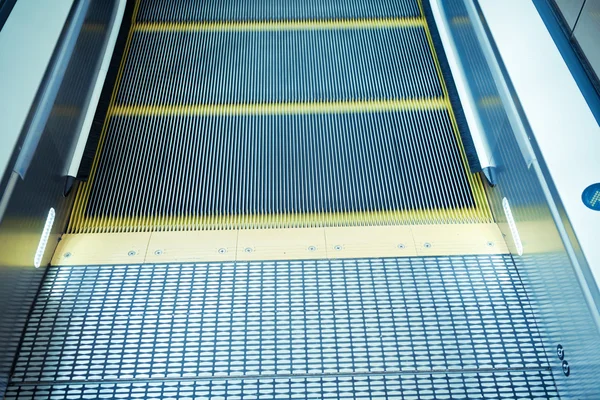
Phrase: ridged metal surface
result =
(222, 124)
(335, 322)
(230, 10)
(389, 166)
(515, 385)
(234, 67)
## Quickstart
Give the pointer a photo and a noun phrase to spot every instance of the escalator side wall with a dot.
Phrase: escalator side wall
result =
(43, 186)
(552, 282)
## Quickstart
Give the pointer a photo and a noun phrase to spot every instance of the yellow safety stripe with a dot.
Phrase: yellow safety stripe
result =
(337, 107)
(225, 26)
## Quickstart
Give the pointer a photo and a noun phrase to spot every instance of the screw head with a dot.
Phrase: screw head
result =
(67, 254)
(566, 368)
(427, 245)
(312, 248)
(560, 352)
(490, 244)
(158, 252)
(401, 246)
(337, 247)
(248, 250)
(131, 253)
(222, 250)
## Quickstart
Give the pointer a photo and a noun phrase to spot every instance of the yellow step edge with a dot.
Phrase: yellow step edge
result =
(327, 24)
(337, 107)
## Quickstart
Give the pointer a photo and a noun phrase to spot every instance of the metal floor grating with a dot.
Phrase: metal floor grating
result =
(525, 385)
(350, 328)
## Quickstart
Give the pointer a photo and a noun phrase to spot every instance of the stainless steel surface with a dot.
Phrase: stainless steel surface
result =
(470, 100)
(5, 9)
(42, 188)
(94, 99)
(552, 264)
(48, 90)
(516, 385)
(587, 33)
(26, 54)
(239, 166)
(424, 326)
(559, 123)
(249, 67)
(570, 10)
(469, 326)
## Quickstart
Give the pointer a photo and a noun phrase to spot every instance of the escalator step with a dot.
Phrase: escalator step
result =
(247, 67)
(300, 114)
(211, 165)
(268, 10)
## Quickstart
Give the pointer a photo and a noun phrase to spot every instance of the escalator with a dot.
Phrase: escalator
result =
(285, 202)
(282, 116)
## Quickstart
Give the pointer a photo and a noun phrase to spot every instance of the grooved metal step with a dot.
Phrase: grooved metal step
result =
(199, 167)
(385, 323)
(268, 10)
(311, 111)
(275, 66)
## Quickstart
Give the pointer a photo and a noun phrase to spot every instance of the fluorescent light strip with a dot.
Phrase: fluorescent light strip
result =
(513, 226)
(37, 261)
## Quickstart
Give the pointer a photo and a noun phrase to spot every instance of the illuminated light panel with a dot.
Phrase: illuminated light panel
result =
(37, 261)
(513, 226)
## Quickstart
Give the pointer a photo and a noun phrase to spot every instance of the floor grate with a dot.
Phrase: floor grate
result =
(399, 326)
(497, 385)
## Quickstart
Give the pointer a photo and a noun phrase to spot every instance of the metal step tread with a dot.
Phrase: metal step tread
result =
(198, 167)
(513, 385)
(215, 117)
(268, 10)
(275, 66)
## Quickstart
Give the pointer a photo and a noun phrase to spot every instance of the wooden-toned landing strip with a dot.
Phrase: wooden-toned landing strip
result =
(279, 244)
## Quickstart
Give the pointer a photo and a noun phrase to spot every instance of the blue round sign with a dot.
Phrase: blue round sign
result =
(591, 197)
